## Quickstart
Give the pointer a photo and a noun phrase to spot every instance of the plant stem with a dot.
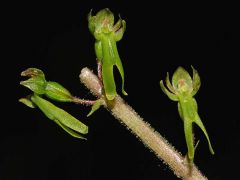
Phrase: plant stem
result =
(77, 100)
(152, 139)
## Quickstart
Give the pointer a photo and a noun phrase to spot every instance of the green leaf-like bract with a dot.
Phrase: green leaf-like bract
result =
(69, 123)
(96, 106)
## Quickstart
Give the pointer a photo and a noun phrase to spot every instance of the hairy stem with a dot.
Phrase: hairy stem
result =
(152, 139)
(77, 100)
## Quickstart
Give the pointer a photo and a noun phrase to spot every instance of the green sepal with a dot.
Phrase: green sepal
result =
(70, 131)
(169, 85)
(56, 114)
(57, 92)
(118, 24)
(169, 94)
(119, 29)
(181, 80)
(196, 81)
(91, 22)
(104, 21)
(35, 84)
(121, 71)
(27, 102)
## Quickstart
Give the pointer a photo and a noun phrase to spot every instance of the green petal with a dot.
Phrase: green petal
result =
(91, 22)
(196, 81)
(200, 124)
(70, 121)
(119, 31)
(104, 21)
(121, 71)
(169, 85)
(169, 94)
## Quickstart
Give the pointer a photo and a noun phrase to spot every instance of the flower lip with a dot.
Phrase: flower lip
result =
(183, 86)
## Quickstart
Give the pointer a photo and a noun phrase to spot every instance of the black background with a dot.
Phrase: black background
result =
(158, 39)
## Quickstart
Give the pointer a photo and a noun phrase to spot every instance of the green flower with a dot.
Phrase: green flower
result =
(103, 23)
(107, 34)
(182, 89)
(38, 84)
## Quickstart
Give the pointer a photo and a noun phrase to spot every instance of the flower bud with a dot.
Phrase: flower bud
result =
(182, 81)
(103, 23)
(36, 83)
(57, 92)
